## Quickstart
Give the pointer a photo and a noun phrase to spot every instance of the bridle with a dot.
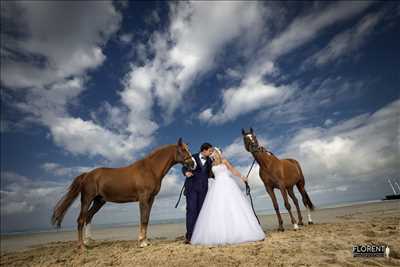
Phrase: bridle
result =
(255, 147)
(186, 158)
(252, 144)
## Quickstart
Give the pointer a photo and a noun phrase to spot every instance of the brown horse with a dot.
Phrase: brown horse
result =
(140, 181)
(282, 174)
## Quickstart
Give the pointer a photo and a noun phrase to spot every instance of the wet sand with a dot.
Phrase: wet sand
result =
(326, 243)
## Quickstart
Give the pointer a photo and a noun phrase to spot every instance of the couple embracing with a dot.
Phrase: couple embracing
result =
(220, 213)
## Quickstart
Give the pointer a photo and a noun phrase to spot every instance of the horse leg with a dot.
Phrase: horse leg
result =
(271, 193)
(296, 203)
(98, 202)
(85, 203)
(145, 207)
(287, 206)
(304, 196)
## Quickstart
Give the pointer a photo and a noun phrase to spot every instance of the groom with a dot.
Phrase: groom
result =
(196, 186)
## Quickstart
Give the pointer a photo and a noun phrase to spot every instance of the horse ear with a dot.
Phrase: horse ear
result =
(180, 141)
(243, 132)
(251, 130)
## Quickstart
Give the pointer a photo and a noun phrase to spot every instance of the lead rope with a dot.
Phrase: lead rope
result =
(248, 191)
(180, 195)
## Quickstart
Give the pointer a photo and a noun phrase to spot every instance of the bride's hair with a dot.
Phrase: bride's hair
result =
(217, 156)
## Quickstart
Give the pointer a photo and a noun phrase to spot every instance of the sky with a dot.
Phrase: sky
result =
(91, 84)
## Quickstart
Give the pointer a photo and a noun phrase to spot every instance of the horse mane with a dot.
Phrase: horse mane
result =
(155, 151)
(270, 152)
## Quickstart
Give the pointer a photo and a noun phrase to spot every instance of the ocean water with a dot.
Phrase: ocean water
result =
(180, 220)
(95, 226)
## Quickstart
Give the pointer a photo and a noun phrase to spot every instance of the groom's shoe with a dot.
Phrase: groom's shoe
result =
(187, 239)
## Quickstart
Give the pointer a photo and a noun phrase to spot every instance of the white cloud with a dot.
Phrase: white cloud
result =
(23, 195)
(75, 135)
(137, 96)
(348, 41)
(252, 94)
(126, 38)
(63, 42)
(14, 126)
(236, 152)
(255, 91)
(304, 28)
(206, 114)
(189, 48)
(305, 101)
(27, 203)
(185, 51)
(328, 122)
(171, 184)
(51, 102)
(233, 73)
(84, 137)
(59, 170)
(349, 158)
(60, 39)
(362, 148)
(246, 98)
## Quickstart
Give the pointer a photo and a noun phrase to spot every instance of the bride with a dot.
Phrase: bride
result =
(226, 216)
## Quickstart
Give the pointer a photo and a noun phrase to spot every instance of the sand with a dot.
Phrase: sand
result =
(326, 243)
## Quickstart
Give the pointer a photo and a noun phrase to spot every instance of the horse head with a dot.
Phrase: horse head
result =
(183, 154)
(250, 140)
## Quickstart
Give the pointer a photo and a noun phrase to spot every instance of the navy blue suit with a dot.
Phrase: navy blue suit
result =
(196, 188)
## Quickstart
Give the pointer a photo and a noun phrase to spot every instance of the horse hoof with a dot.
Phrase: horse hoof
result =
(310, 222)
(81, 247)
(301, 224)
(295, 227)
(144, 244)
(88, 241)
(281, 229)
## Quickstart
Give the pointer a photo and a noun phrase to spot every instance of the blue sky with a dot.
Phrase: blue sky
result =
(90, 84)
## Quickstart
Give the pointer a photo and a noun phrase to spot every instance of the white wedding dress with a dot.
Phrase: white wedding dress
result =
(226, 216)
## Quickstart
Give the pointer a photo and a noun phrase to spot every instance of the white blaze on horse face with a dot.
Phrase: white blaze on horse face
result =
(250, 136)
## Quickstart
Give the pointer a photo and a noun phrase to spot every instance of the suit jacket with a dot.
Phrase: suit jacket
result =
(199, 180)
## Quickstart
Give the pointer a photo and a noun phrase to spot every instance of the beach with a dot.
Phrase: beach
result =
(328, 242)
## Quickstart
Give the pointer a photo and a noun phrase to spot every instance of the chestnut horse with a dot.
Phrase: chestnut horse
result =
(140, 181)
(282, 174)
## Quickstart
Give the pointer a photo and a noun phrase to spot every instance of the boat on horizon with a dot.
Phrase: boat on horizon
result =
(395, 194)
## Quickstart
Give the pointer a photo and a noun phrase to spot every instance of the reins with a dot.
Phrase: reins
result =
(248, 191)
(180, 195)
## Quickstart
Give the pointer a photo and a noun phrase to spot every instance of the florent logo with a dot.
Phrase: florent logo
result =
(371, 251)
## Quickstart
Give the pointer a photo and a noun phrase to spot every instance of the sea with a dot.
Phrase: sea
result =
(175, 220)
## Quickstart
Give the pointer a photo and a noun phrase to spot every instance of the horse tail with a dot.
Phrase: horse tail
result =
(307, 200)
(66, 201)
(301, 186)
